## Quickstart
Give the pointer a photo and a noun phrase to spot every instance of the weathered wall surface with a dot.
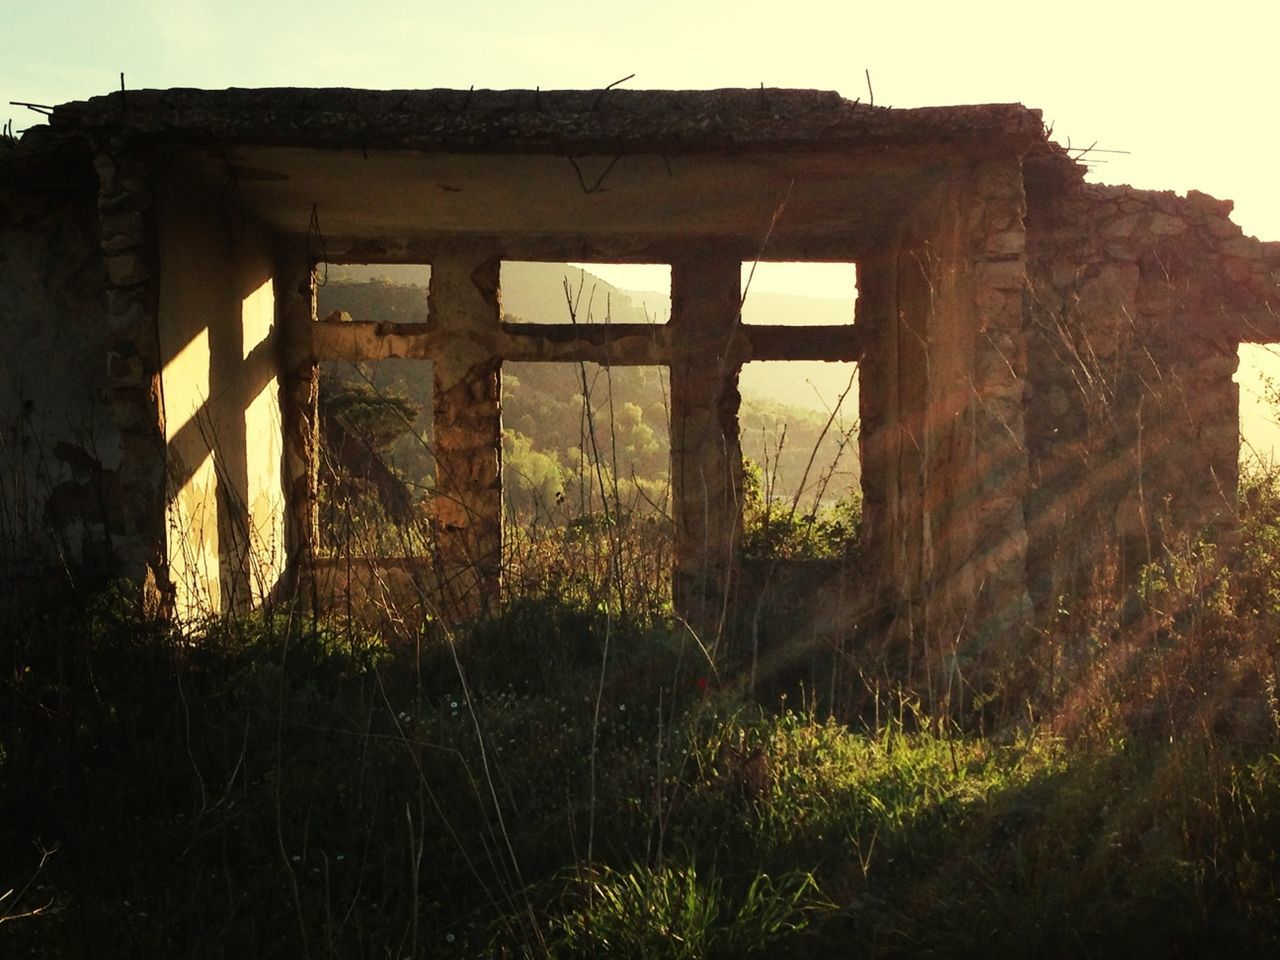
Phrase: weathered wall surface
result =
(1138, 301)
(466, 308)
(295, 288)
(226, 545)
(126, 212)
(706, 452)
(59, 448)
(944, 460)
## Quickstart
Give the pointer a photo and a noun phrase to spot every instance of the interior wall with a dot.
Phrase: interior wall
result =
(944, 458)
(906, 306)
(226, 544)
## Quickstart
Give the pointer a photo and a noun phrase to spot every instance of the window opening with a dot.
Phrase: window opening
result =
(799, 419)
(616, 293)
(1258, 377)
(799, 294)
(376, 467)
(388, 292)
(586, 481)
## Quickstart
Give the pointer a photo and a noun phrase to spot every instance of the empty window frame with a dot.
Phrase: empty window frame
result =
(1258, 377)
(376, 467)
(585, 292)
(587, 480)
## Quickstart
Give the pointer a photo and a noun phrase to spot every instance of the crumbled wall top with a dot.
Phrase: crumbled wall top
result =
(46, 159)
(611, 120)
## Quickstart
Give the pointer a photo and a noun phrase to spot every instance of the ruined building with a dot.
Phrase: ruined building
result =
(1046, 365)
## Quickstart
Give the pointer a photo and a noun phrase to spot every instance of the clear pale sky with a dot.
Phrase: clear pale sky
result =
(1192, 91)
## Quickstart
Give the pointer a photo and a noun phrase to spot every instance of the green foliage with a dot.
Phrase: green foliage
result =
(776, 530)
(646, 913)
(1193, 645)
(377, 417)
(568, 445)
(564, 782)
(533, 481)
(603, 560)
(807, 458)
(1258, 568)
(376, 465)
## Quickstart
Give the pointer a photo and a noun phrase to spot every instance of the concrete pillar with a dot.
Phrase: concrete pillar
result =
(881, 430)
(466, 311)
(706, 456)
(299, 392)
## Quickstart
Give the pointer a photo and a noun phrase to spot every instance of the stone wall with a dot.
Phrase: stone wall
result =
(126, 212)
(379, 592)
(60, 451)
(1138, 301)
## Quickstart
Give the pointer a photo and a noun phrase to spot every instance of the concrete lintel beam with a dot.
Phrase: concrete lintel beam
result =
(618, 344)
(808, 246)
(809, 342)
(612, 344)
(370, 340)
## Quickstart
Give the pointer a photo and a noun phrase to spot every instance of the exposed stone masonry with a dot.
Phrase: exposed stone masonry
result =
(300, 387)
(1138, 301)
(133, 362)
(467, 510)
(59, 449)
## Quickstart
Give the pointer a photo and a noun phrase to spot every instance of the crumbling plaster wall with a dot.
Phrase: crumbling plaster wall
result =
(943, 449)
(59, 449)
(221, 403)
(1138, 302)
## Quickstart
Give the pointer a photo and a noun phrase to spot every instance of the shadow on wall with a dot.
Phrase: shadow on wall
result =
(226, 516)
(59, 447)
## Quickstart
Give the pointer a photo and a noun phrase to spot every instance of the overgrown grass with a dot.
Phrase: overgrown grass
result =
(562, 783)
(580, 776)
